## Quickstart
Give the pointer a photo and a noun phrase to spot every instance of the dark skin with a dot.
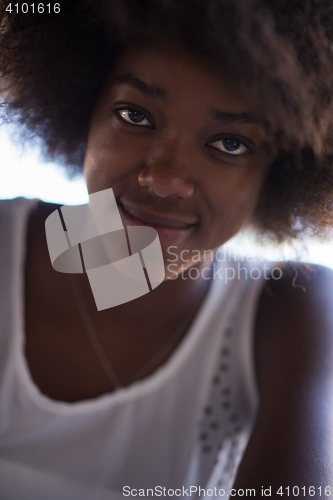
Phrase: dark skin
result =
(179, 160)
(63, 363)
(291, 443)
(203, 164)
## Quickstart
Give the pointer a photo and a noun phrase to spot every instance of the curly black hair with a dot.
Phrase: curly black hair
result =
(279, 52)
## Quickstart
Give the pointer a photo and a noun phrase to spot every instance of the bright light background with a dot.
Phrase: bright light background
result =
(23, 174)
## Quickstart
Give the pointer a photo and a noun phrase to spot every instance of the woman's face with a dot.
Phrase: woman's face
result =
(180, 148)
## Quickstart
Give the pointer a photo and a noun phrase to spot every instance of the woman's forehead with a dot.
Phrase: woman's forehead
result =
(169, 69)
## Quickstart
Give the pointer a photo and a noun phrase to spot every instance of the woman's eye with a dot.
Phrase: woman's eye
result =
(231, 146)
(134, 117)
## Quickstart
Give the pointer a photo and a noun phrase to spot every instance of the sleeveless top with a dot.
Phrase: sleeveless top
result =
(183, 427)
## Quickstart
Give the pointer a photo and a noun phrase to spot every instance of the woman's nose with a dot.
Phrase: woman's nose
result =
(169, 171)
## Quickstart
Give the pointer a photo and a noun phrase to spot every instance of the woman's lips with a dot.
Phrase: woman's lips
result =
(168, 228)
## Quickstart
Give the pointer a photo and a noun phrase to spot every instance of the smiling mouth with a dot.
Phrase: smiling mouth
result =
(168, 228)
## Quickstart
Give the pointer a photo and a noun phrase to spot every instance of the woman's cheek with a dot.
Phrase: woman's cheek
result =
(234, 208)
(108, 163)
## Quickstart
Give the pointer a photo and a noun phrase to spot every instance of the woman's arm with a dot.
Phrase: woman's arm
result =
(292, 440)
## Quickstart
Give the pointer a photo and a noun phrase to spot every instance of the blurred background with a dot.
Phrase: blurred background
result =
(22, 173)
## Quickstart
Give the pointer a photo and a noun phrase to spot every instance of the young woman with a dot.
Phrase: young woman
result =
(203, 118)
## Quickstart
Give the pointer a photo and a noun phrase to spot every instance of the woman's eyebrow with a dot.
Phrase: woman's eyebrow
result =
(156, 92)
(145, 88)
(227, 117)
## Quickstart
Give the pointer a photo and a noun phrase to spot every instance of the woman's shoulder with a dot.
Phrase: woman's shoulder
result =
(298, 294)
(294, 324)
(21, 204)
(295, 291)
(293, 359)
(40, 213)
(16, 203)
(22, 220)
(293, 354)
(300, 275)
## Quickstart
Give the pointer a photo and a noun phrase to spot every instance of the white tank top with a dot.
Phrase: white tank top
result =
(185, 425)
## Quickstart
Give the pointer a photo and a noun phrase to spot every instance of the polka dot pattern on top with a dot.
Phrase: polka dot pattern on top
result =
(227, 415)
